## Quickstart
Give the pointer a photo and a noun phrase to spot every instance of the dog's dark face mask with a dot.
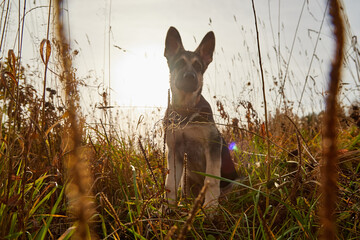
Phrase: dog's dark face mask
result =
(187, 68)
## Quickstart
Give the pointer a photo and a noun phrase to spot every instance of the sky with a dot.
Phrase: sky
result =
(138, 70)
(120, 45)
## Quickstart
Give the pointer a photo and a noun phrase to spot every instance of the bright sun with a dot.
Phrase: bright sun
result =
(140, 78)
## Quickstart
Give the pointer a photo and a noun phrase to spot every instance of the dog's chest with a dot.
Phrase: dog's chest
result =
(191, 140)
(191, 137)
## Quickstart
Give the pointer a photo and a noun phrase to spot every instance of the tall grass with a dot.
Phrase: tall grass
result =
(329, 171)
(268, 157)
(79, 178)
(61, 177)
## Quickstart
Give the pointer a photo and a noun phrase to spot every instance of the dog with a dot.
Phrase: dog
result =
(190, 125)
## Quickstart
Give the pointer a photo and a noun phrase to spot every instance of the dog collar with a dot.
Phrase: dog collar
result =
(201, 113)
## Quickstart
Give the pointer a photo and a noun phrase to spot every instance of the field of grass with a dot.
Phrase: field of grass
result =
(62, 178)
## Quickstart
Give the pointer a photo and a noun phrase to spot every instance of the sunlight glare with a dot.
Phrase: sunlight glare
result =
(140, 78)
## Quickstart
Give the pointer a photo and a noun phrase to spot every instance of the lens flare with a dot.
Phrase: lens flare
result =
(232, 146)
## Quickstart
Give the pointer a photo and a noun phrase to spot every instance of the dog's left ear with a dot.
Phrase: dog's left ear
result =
(173, 43)
(206, 48)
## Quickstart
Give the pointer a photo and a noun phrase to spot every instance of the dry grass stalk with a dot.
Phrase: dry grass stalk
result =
(306, 147)
(163, 170)
(268, 158)
(297, 178)
(46, 62)
(268, 232)
(330, 161)
(171, 232)
(148, 162)
(111, 209)
(197, 204)
(185, 177)
(78, 188)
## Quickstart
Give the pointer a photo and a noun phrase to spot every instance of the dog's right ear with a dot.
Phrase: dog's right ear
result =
(173, 43)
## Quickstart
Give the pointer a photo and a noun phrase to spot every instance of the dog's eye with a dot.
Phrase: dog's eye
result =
(197, 66)
(180, 64)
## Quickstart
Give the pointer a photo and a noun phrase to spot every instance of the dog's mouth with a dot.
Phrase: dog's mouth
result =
(187, 82)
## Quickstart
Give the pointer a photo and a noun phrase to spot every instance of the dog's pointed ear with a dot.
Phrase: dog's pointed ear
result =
(206, 48)
(173, 43)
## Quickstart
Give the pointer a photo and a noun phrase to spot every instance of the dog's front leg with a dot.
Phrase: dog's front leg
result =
(175, 168)
(213, 167)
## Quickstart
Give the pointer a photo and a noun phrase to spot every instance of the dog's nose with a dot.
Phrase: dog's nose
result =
(189, 76)
(188, 83)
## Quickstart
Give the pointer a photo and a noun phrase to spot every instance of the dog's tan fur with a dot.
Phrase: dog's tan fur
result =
(190, 125)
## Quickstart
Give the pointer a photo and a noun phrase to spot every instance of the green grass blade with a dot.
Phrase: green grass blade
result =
(45, 228)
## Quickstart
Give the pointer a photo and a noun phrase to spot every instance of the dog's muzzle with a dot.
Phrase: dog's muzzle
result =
(188, 82)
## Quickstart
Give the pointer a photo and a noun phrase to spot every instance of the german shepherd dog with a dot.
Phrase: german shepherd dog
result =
(190, 125)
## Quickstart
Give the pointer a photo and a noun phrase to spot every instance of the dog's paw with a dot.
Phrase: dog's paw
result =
(211, 211)
(166, 208)
(211, 204)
